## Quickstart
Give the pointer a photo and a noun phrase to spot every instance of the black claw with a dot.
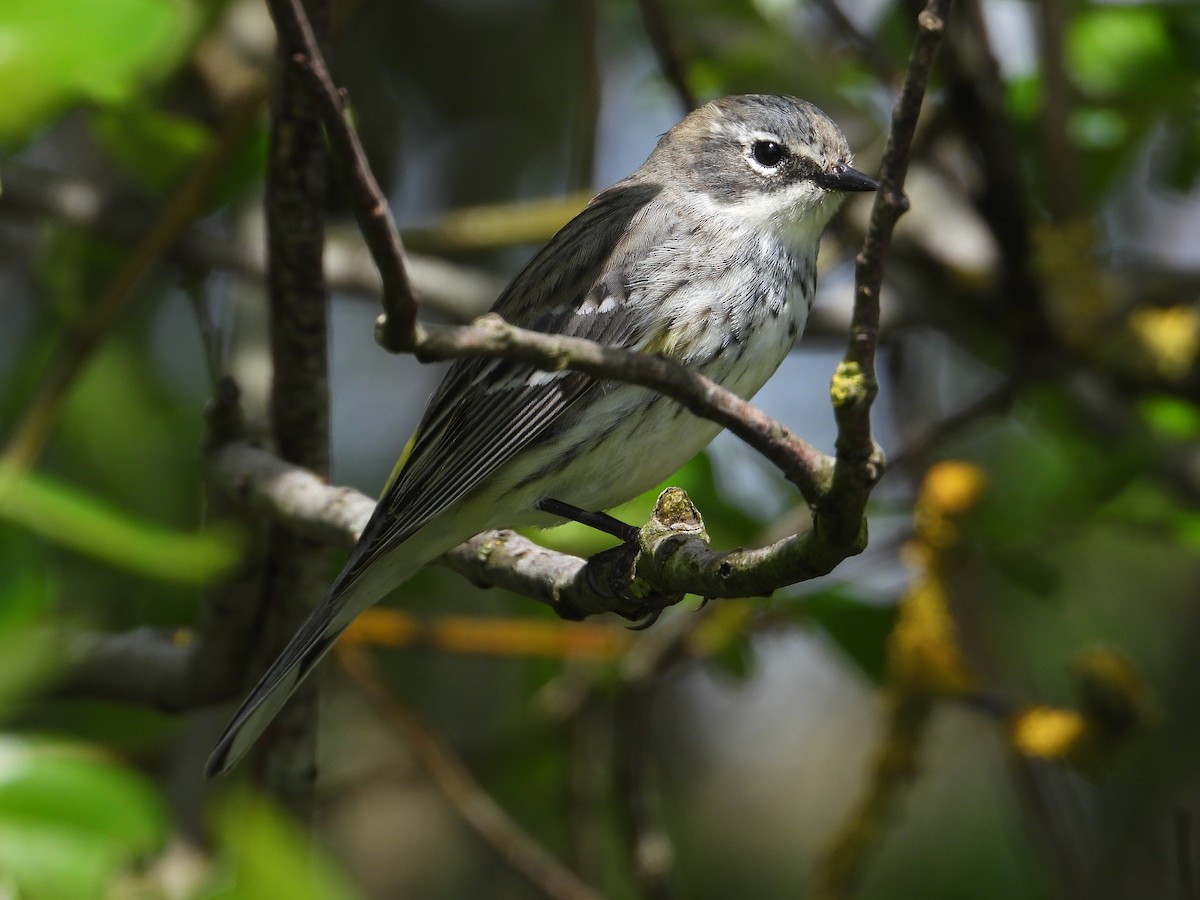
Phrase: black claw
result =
(646, 622)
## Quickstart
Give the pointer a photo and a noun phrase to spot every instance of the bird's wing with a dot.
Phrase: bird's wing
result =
(486, 410)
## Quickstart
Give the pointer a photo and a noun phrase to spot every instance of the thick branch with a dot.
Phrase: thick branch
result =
(296, 572)
(672, 558)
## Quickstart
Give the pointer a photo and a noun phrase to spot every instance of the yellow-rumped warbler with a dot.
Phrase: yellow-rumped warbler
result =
(706, 254)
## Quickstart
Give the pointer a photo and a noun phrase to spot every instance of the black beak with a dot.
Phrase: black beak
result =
(844, 178)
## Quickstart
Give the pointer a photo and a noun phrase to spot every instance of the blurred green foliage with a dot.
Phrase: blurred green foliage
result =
(69, 822)
(65, 516)
(76, 51)
(264, 854)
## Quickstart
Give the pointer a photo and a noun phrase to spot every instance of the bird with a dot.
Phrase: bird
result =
(706, 254)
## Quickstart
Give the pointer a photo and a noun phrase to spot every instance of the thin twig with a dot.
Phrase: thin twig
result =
(893, 769)
(908, 713)
(890, 202)
(866, 48)
(994, 401)
(369, 204)
(477, 808)
(855, 384)
(1060, 164)
(666, 50)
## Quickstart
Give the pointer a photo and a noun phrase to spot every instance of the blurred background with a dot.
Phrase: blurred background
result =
(999, 698)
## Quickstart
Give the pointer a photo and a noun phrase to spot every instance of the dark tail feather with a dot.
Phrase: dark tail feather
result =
(294, 664)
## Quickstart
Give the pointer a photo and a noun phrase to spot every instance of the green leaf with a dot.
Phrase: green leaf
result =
(1098, 128)
(68, 822)
(1171, 417)
(1120, 50)
(263, 854)
(27, 647)
(66, 516)
(1146, 509)
(1047, 472)
(859, 628)
(58, 54)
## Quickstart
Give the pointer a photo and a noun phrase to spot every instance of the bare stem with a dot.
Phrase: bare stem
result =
(368, 202)
(477, 808)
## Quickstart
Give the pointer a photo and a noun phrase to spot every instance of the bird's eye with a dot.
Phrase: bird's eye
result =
(768, 153)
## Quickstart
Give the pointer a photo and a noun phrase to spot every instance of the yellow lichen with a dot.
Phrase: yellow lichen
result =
(848, 386)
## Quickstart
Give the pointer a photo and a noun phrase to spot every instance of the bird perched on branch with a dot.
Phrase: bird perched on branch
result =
(706, 255)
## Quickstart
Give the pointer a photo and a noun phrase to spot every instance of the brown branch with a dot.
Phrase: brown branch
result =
(290, 495)
(369, 204)
(477, 808)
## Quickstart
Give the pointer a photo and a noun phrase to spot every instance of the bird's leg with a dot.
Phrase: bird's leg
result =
(598, 520)
(612, 573)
